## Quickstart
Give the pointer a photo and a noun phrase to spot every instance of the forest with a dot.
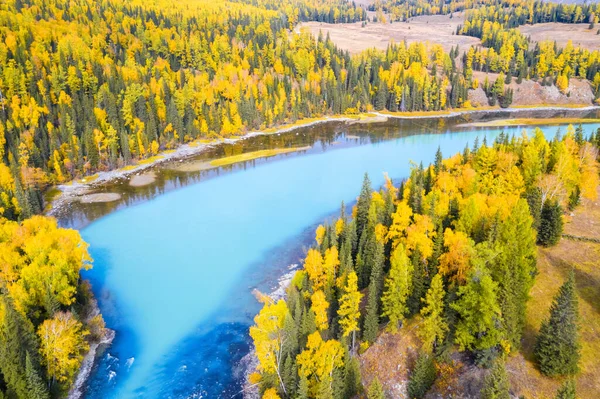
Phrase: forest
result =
(79, 97)
(454, 248)
(89, 86)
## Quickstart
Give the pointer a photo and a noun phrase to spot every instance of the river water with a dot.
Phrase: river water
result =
(175, 262)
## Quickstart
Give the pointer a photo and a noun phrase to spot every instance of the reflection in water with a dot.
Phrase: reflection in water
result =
(323, 137)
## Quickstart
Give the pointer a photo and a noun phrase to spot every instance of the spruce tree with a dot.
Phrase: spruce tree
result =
(353, 384)
(303, 390)
(551, 224)
(574, 198)
(397, 288)
(434, 327)
(362, 206)
(495, 384)
(419, 285)
(35, 383)
(375, 390)
(437, 166)
(422, 377)
(17, 342)
(534, 200)
(371, 325)
(557, 347)
(567, 390)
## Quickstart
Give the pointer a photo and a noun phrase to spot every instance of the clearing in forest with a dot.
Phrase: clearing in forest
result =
(432, 28)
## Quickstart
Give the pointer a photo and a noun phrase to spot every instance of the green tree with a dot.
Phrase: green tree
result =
(495, 384)
(362, 206)
(422, 377)
(478, 326)
(557, 346)
(397, 287)
(551, 224)
(35, 382)
(434, 326)
(515, 267)
(353, 384)
(375, 390)
(17, 341)
(371, 323)
(567, 390)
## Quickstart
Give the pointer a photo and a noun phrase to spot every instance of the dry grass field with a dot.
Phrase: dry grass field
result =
(355, 38)
(553, 265)
(580, 34)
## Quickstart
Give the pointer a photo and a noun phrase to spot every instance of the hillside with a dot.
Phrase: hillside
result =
(399, 351)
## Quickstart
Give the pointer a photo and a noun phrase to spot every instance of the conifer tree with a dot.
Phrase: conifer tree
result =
(362, 206)
(371, 324)
(557, 346)
(495, 383)
(35, 382)
(397, 288)
(422, 377)
(479, 313)
(438, 161)
(419, 283)
(17, 341)
(434, 326)
(353, 383)
(375, 390)
(551, 224)
(567, 390)
(514, 269)
(303, 389)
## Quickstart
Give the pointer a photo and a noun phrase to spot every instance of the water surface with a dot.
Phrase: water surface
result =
(176, 263)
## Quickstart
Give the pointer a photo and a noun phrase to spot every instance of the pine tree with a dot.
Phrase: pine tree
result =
(567, 390)
(574, 198)
(478, 327)
(437, 166)
(551, 224)
(371, 324)
(290, 373)
(534, 200)
(419, 286)
(514, 269)
(397, 287)
(375, 390)
(17, 341)
(557, 347)
(303, 389)
(353, 383)
(362, 206)
(495, 384)
(422, 377)
(35, 383)
(434, 326)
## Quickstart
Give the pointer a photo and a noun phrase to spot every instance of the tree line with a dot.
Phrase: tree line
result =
(453, 247)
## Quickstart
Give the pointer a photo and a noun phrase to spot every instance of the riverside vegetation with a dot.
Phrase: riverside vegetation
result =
(452, 248)
(87, 86)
